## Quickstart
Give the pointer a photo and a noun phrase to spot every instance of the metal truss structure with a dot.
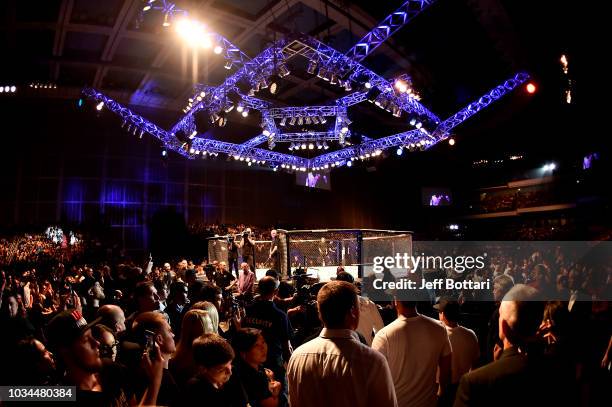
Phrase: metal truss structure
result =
(331, 65)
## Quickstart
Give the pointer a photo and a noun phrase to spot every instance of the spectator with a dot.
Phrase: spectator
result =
(261, 389)
(32, 365)
(355, 375)
(146, 299)
(501, 285)
(213, 381)
(246, 281)
(275, 327)
(97, 383)
(113, 317)
(416, 347)
(177, 305)
(108, 344)
(370, 321)
(463, 342)
(517, 368)
(196, 323)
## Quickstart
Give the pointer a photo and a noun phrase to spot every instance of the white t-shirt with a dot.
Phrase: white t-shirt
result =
(465, 351)
(413, 347)
(369, 319)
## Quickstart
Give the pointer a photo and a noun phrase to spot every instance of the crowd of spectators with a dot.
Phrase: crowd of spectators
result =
(192, 333)
(515, 198)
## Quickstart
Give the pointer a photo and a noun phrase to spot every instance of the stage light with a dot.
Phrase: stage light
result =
(166, 20)
(319, 146)
(315, 120)
(291, 147)
(349, 163)
(80, 103)
(323, 120)
(99, 106)
(419, 125)
(266, 132)
(368, 85)
(325, 145)
(283, 121)
(307, 120)
(218, 49)
(273, 87)
(413, 121)
(228, 65)
(191, 150)
(191, 31)
(193, 134)
(240, 108)
(229, 107)
(334, 79)
(292, 121)
(312, 66)
(344, 130)
(236, 157)
(263, 83)
(347, 85)
(245, 112)
(164, 153)
(300, 121)
(303, 147)
(451, 141)
(311, 146)
(13, 89)
(222, 121)
(531, 88)
(401, 86)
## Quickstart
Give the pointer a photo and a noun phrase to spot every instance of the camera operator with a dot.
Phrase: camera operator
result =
(247, 245)
(232, 254)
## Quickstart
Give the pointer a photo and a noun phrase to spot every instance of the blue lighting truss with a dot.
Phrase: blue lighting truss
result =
(387, 28)
(476, 106)
(331, 65)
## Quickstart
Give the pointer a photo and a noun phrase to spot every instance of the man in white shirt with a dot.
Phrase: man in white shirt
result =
(463, 341)
(415, 346)
(335, 369)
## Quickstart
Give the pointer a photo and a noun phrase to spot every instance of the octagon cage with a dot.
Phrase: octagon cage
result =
(319, 252)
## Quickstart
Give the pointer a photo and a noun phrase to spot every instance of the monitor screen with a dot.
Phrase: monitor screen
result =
(437, 197)
(319, 180)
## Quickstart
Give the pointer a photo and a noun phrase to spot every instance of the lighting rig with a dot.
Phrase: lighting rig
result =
(248, 77)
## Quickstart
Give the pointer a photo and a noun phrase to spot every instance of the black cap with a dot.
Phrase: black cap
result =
(66, 327)
(450, 307)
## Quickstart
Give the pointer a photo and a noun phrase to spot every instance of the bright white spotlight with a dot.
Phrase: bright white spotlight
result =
(311, 146)
(99, 106)
(193, 134)
(401, 86)
(164, 153)
(451, 141)
(368, 85)
(13, 89)
(7, 89)
(218, 49)
(304, 146)
(349, 163)
(191, 31)
(266, 132)
(245, 113)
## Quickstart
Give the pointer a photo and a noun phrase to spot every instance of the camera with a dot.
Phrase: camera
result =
(149, 343)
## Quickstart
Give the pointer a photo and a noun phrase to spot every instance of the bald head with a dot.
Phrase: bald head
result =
(113, 317)
(520, 314)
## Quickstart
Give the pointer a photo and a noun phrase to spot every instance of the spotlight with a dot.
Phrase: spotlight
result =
(419, 125)
(531, 88)
(222, 121)
(266, 132)
(307, 120)
(303, 147)
(190, 30)
(218, 49)
(319, 146)
(240, 108)
(451, 141)
(323, 120)
(315, 120)
(283, 121)
(413, 121)
(368, 85)
(300, 121)
(193, 134)
(311, 146)
(401, 86)
(99, 106)
(291, 147)
(334, 79)
(273, 87)
(245, 112)
(164, 153)
(214, 117)
(166, 20)
(344, 129)
(397, 111)
(325, 145)
(228, 65)
(263, 84)
(292, 121)
(399, 151)
(312, 66)
(349, 163)
(229, 107)
(347, 85)
(13, 89)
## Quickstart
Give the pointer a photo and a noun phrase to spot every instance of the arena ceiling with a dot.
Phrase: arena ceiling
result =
(454, 51)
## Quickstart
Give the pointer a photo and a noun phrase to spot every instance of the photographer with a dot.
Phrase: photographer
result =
(274, 252)
(247, 245)
(232, 254)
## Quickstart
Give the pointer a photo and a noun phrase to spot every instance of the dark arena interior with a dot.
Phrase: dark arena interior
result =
(304, 203)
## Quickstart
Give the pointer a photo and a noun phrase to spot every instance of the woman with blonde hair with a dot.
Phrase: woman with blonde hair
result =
(201, 319)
